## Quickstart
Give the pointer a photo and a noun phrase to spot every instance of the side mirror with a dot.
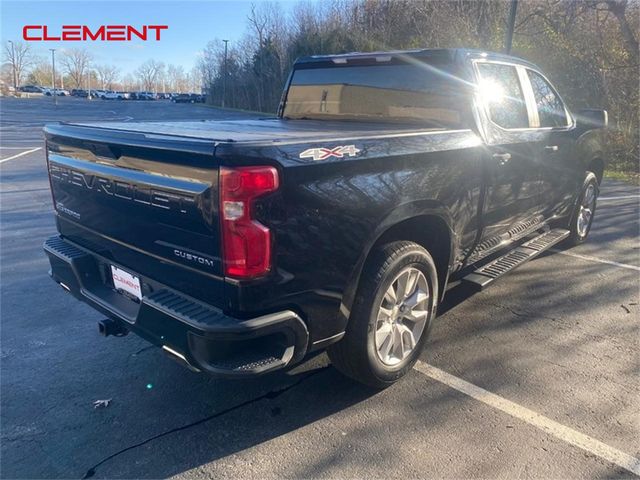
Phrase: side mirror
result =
(592, 118)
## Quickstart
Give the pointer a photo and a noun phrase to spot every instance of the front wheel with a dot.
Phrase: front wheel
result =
(391, 317)
(582, 218)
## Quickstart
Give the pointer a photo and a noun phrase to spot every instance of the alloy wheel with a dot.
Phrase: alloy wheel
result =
(402, 316)
(585, 214)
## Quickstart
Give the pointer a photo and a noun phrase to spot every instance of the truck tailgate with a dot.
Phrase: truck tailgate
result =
(154, 196)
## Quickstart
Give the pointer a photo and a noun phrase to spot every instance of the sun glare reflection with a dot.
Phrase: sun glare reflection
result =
(491, 92)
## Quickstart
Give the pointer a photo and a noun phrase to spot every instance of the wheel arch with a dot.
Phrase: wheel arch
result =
(431, 230)
(591, 150)
(596, 165)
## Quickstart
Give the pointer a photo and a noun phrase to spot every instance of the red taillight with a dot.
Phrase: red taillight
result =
(246, 243)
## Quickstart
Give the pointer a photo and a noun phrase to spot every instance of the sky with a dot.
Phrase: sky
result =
(192, 24)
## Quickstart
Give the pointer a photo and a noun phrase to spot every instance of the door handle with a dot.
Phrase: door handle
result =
(551, 148)
(502, 157)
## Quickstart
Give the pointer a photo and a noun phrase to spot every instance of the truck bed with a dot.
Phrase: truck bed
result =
(264, 130)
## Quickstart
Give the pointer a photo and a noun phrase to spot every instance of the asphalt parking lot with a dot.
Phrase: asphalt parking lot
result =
(537, 376)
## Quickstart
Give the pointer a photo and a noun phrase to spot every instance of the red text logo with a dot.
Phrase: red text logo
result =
(84, 33)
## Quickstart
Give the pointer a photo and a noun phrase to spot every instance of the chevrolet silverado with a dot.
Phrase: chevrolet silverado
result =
(241, 247)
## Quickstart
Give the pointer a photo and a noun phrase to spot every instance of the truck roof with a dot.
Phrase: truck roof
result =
(453, 54)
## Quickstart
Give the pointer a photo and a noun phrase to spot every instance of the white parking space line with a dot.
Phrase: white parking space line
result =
(20, 154)
(625, 197)
(567, 434)
(595, 259)
(14, 148)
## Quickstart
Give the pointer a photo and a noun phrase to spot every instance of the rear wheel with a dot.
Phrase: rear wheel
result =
(582, 218)
(391, 316)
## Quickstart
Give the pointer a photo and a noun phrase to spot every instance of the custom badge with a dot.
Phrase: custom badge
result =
(324, 153)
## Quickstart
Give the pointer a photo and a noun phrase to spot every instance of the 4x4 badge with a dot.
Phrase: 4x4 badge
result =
(324, 153)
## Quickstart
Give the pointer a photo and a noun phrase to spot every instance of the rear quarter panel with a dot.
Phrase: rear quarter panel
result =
(329, 213)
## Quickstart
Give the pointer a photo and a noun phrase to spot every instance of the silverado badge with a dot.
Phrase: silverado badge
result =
(324, 153)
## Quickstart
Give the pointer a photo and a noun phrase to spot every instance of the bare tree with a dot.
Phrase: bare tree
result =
(195, 79)
(161, 79)
(619, 10)
(6, 78)
(130, 82)
(20, 57)
(107, 75)
(210, 60)
(177, 80)
(148, 74)
(75, 62)
(40, 72)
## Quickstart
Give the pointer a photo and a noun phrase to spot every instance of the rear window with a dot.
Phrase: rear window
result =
(500, 89)
(413, 93)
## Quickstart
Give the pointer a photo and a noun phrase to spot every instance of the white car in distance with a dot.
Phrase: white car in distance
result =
(60, 92)
(111, 95)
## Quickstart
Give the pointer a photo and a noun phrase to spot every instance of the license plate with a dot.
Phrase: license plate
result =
(125, 281)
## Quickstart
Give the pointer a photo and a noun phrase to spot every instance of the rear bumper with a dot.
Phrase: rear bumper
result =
(197, 334)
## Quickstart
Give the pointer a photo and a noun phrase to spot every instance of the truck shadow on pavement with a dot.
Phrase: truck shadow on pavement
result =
(316, 391)
(291, 401)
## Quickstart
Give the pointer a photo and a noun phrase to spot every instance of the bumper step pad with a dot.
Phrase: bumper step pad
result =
(486, 275)
(255, 357)
(65, 250)
(197, 334)
(188, 310)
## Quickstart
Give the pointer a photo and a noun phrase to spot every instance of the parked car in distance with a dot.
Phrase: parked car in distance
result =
(76, 92)
(241, 247)
(61, 92)
(146, 96)
(111, 95)
(188, 98)
(30, 89)
(182, 98)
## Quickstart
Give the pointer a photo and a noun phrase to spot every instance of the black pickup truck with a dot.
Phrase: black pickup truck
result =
(241, 247)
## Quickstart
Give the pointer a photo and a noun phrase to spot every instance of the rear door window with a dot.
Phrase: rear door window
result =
(501, 91)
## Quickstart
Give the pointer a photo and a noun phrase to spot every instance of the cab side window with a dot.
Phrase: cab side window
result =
(501, 91)
(550, 108)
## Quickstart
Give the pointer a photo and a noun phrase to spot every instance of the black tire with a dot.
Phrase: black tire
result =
(356, 355)
(579, 234)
